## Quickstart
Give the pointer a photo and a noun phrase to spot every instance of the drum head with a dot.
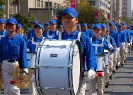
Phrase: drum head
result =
(77, 68)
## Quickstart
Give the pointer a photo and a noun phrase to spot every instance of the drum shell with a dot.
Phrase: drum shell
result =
(31, 59)
(60, 76)
(99, 60)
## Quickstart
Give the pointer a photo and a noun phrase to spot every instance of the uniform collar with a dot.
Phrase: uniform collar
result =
(72, 34)
(99, 38)
(41, 37)
(13, 37)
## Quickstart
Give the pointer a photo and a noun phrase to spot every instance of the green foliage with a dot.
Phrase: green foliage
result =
(26, 21)
(127, 20)
(86, 13)
(66, 3)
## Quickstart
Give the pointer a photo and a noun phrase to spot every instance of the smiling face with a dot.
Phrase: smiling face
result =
(52, 26)
(38, 31)
(68, 21)
(97, 32)
(10, 27)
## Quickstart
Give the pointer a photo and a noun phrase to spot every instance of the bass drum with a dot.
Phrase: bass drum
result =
(59, 67)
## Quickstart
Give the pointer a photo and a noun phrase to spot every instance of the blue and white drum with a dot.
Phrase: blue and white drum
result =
(59, 68)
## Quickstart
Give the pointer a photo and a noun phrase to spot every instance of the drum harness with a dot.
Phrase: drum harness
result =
(3, 34)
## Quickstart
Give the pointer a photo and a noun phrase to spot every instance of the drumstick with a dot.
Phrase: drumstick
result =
(13, 81)
(99, 74)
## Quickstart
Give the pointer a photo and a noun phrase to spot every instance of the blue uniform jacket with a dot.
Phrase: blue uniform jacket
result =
(112, 42)
(114, 34)
(123, 36)
(100, 50)
(32, 46)
(31, 33)
(14, 48)
(88, 54)
(51, 34)
(87, 32)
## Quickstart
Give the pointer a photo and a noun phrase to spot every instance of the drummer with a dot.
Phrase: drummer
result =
(114, 34)
(99, 51)
(31, 32)
(32, 46)
(12, 50)
(3, 31)
(20, 31)
(69, 20)
(60, 28)
(46, 28)
(109, 67)
(37, 38)
(53, 31)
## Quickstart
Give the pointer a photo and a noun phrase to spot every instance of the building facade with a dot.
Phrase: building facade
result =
(43, 10)
(126, 8)
(101, 4)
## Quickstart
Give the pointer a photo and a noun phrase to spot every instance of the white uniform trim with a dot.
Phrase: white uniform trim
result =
(3, 34)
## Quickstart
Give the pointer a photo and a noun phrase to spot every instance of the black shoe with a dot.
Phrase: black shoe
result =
(122, 65)
(110, 77)
(125, 61)
(117, 67)
(113, 72)
(107, 85)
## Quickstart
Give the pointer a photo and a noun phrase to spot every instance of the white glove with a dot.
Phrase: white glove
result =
(91, 74)
(28, 50)
(25, 71)
(117, 49)
(110, 46)
(128, 44)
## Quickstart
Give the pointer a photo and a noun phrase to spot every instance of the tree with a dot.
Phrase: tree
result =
(86, 13)
(24, 20)
(127, 20)
(66, 3)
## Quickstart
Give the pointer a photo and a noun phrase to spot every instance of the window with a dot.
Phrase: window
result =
(38, 3)
(50, 4)
(41, 4)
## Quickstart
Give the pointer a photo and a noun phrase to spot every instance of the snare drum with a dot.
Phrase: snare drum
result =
(59, 68)
(31, 59)
(106, 57)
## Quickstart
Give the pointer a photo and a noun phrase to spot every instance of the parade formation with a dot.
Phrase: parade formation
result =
(52, 61)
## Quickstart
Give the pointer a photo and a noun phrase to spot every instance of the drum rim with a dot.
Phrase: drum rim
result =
(38, 90)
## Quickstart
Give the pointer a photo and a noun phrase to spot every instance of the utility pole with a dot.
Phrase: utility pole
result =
(7, 9)
(48, 10)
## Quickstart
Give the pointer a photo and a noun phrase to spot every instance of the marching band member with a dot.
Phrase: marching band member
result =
(114, 34)
(60, 28)
(99, 51)
(33, 48)
(53, 29)
(31, 33)
(91, 29)
(69, 20)
(12, 49)
(46, 28)
(79, 27)
(127, 38)
(3, 31)
(20, 32)
(108, 67)
(85, 29)
(123, 43)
